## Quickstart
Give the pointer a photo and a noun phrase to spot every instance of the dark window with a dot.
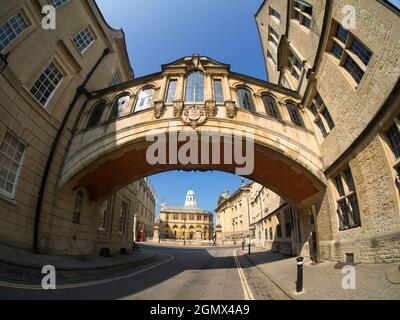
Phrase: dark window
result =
(393, 136)
(361, 51)
(321, 127)
(349, 180)
(348, 210)
(342, 34)
(96, 114)
(271, 107)
(294, 115)
(318, 99)
(275, 13)
(355, 71)
(245, 99)
(314, 109)
(328, 118)
(307, 22)
(288, 229)
(344, 210)
(308, 9)
(354, 209)
(337, 51)
(279, 231)
(339, 185)
(76, 215)
(270, 234)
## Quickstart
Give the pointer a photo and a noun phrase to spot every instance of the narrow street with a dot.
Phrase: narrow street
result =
(179, 273)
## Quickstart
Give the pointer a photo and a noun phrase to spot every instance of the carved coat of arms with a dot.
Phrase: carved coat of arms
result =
(194, 115)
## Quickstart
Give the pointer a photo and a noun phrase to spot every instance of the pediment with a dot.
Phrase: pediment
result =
(195, 62)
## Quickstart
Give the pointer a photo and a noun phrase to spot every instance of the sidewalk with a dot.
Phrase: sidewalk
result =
(21, 266)
(323, 281)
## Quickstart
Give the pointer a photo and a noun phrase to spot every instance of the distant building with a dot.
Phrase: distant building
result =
(145, 213)
(187, 222)
(257, 212)
(233, 213)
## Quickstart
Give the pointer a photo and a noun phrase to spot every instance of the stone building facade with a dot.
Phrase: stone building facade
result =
(233, 214)
(269, 221)
(185, 222)
(41, 95)
(348, 76)
(145, 216)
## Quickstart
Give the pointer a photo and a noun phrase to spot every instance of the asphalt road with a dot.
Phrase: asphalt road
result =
(179, 273)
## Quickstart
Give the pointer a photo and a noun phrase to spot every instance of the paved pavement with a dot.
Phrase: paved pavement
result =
(25, 258)
(25, 268)
(179, 273)
(324, 281)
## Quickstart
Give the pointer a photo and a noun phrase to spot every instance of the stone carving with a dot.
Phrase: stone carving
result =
(158, 108)
(178, 108)
(212, 109)
(230, 109)
(194, 115)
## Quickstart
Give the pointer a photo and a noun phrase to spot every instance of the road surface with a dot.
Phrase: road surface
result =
(179, 273)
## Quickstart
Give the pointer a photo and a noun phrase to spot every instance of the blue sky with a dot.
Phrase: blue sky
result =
(161, 31)
(395, 2)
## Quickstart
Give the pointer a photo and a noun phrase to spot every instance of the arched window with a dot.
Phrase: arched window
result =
(245, 99)
(294, 114)
(119, 107)
(271, 107)
(195, 87)
(145, 99)
(96, 114)
(76, 215)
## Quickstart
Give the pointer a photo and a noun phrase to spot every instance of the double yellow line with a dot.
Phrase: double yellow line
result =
(248, 295)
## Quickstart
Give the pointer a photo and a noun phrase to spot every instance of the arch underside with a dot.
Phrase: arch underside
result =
(113, 171)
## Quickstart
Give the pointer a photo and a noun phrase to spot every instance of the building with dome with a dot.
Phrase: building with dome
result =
(185, 222)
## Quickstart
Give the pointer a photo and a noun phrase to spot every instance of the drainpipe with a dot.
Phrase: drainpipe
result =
(318, 253)
(79, 91)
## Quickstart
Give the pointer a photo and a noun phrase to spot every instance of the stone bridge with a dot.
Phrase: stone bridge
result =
(195, 95)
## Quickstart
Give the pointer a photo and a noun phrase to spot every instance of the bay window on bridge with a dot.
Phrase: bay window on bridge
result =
(195, 87)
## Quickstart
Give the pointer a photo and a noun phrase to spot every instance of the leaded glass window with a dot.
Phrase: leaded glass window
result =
(119, 107)
(294, 114)
(245, 99)
(145, 99)
(96, 114)
(271, 107)
(219, 97)
(171, 91)
(195, 87)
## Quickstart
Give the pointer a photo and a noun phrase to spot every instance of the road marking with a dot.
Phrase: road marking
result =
(86, 284)
(248, 295)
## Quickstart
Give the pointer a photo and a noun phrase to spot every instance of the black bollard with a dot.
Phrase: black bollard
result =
(242, 246)
(249, 247)
(299, 282)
